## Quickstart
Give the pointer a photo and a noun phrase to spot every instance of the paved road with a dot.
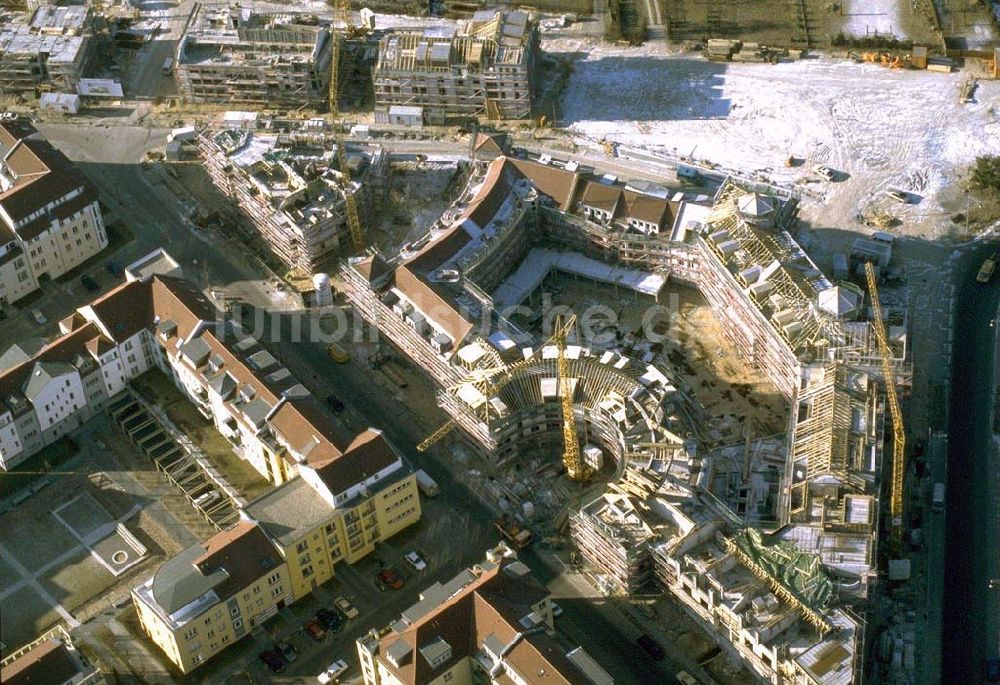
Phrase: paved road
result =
(591, 621)
(971, 609)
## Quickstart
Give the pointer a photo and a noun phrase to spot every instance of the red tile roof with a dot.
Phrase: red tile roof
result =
(44, 175)
(367, 454)
(244, 552)
(65, 348)
(435, 303)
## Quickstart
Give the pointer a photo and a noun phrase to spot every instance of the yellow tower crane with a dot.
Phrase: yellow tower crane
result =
(575, 469)
(342, 12)
(491, 381)
(898, 434)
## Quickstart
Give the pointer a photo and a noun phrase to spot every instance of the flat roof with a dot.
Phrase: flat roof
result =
(289, 511)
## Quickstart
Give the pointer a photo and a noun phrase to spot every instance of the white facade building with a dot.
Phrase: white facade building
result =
(50, 220)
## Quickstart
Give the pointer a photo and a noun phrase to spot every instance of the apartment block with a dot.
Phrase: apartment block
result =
(342, 504)
(102, 346)
(484, 69)
(52, 659)
(285, 178)
(491, 623)
(50, 219)
(47, 49)
(241, 57)
(212, 594)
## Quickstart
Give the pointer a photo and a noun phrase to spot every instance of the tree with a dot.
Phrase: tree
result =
(986, 173)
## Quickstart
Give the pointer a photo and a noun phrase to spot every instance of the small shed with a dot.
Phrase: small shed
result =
(406, 115)
(67, 103)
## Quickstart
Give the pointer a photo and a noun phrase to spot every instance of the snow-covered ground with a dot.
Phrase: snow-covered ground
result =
(864, 17)
(882, 128)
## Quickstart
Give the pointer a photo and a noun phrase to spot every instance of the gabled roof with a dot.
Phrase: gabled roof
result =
(601, 196)
(367, 454)
(66, 348)
(484, 610)
(491, 143)
(558, 184)
(43, 175)
(125, 310)
(647, 208)
(44, 373)
(372, 268)
(435, 303)
(244, 552)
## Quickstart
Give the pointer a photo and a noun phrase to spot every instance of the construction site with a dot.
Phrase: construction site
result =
(753, 513)
(481, 69)
(236, 56)
(285, 178)
(46, 49)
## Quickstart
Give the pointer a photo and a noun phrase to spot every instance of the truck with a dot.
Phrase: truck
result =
(988, 267)
(937, 501)
(427, 485)
(512, 532)
(168, 66)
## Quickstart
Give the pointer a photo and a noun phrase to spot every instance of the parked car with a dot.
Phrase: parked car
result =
(650, 646)
(333, 671)
(897, 195)
(331, 619)
(288, 650)
(415, 561)
(826, 172)
(89, 283)
(314, 629)
(557, 610)
(346, 608)
(685, 678)
(273, 659)
(391, 578)
(335, 403)
(37, 315)
(115, 269)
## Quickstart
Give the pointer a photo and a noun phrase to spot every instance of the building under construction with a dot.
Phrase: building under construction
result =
(239, 57)
(483, 69)
(284, 177)
(683, 517)
(46, 50)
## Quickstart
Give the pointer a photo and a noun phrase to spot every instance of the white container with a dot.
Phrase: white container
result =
(528, 509)
(324, 293)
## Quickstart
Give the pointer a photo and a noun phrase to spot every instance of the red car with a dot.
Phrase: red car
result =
(391, 578)
(314, 629)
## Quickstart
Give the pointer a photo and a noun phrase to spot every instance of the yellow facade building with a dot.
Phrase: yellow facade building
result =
(212, 594)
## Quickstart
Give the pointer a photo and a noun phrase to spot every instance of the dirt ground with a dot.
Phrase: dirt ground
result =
(780, 22)
(419, 193)
(157, 388)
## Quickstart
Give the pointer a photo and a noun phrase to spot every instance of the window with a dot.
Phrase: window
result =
(235, 611)
(272, 579)
(237, 623)
(307, 571)
(448, 676)
(190, 635)
(277, 591)
(302, 546)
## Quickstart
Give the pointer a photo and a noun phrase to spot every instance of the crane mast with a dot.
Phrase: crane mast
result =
(341, 11)
(898, 434)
